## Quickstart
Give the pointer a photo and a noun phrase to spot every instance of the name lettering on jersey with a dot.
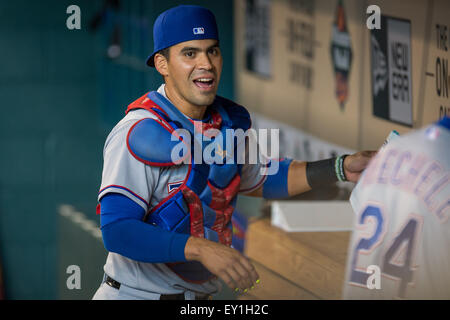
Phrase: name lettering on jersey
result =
(413, 173)
(172, 186)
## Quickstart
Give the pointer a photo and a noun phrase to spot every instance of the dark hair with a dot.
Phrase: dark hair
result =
(165, 53)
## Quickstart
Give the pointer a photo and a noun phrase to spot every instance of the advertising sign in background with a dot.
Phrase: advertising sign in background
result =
(391, 70)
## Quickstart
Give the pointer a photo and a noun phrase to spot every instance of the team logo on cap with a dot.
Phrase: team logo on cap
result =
(198, 30)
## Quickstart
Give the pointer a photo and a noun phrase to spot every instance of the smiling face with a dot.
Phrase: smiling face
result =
(192, 73)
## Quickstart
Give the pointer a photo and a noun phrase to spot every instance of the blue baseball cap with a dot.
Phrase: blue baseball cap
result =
(180, 24)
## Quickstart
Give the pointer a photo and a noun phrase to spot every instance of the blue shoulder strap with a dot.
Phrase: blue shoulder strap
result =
(173, 113)
(177, 115)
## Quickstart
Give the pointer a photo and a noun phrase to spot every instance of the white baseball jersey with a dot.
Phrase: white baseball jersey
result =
(147, 186)
(402, 228)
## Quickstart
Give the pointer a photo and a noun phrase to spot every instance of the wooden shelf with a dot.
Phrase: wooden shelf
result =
(296, 265)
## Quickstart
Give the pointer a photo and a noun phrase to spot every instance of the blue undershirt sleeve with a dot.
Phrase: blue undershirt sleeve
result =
(276, 185)
(124, 233)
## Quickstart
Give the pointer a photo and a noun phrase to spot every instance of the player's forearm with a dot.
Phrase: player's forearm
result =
(293, 182)
(143, 242)
(297, 181)
(304, 176)
(125, 233)
(227, 263)
(296, 177)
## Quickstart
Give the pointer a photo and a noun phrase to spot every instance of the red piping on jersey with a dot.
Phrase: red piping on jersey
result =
(255, 186)
(146, 103)
(151, 163)
(154, 163)
(260, 181)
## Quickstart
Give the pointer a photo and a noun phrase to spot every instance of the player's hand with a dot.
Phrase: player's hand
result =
(355, 164)
(228, 264)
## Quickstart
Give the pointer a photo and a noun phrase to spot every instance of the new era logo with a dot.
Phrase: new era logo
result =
(198, 30)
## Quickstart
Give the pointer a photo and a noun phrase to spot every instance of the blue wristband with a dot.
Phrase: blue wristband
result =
(276, 185)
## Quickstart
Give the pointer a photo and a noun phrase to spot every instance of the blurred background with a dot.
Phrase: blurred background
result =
(311, 68)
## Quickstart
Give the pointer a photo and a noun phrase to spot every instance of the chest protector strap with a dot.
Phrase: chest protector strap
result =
(203, 205)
